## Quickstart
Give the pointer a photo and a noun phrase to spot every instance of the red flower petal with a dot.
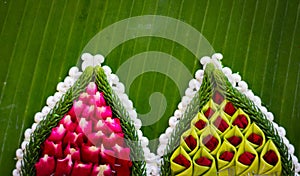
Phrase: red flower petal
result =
(90, 154)
(71, 138)
(229, 108)
(122, 167)
(271, 157)
(64, 166)
(241, 121)
(218, 97)
(255, 139)
(82, 139)
(235, 140)
(203, 161)
(227, 156)
(45, 166)
(221, 124)
(200, 124)
(181, 160)
(81, 169)
(191, 142)
(107, 156)
(246, 158)
(74, 152)
(209, 112)
(52, 149)
(210, 142)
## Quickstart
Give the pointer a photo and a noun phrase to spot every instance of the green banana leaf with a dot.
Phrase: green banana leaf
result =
(41, 40)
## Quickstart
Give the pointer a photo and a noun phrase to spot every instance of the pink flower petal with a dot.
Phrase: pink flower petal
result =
(64, 166)
(114, 124)
(97, 100)
(57, 133)
(88, 112)
(114, 138)
(91, 89)
(102, 170)
(45, 166)
(81, 169)
(96, 138)
(90, 154)
(84, 97)
(85, 125)
(101, 126)
(69, 123)
(103, 112)
(121, 153)
(76, 109)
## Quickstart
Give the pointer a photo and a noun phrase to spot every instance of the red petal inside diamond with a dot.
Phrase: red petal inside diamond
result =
(210, 142)
(221, 124)
(209, 112)
(227, 156)
(191, 142)
(235, 140)
(229, 108)
(218, 97)
(200, 124)
(246, 158)
(271, 157)
(241, 121)
(181, 160)
(203, 161)
(255, 139)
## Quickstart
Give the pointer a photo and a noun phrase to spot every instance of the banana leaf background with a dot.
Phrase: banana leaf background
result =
(41, 40)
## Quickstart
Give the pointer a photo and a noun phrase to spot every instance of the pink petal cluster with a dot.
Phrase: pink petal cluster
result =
(86, 141)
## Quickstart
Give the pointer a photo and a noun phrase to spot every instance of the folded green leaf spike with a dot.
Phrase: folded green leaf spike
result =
(224, 130)
(85, 129)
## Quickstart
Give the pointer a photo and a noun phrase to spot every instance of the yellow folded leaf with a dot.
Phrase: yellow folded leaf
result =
(177, 169)
(266, 168)
(185, 146)
(242, 169)
(255, 129)
(224, 166)
(204, 170)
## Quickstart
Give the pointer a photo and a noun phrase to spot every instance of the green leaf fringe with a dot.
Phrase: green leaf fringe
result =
(214, 79)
